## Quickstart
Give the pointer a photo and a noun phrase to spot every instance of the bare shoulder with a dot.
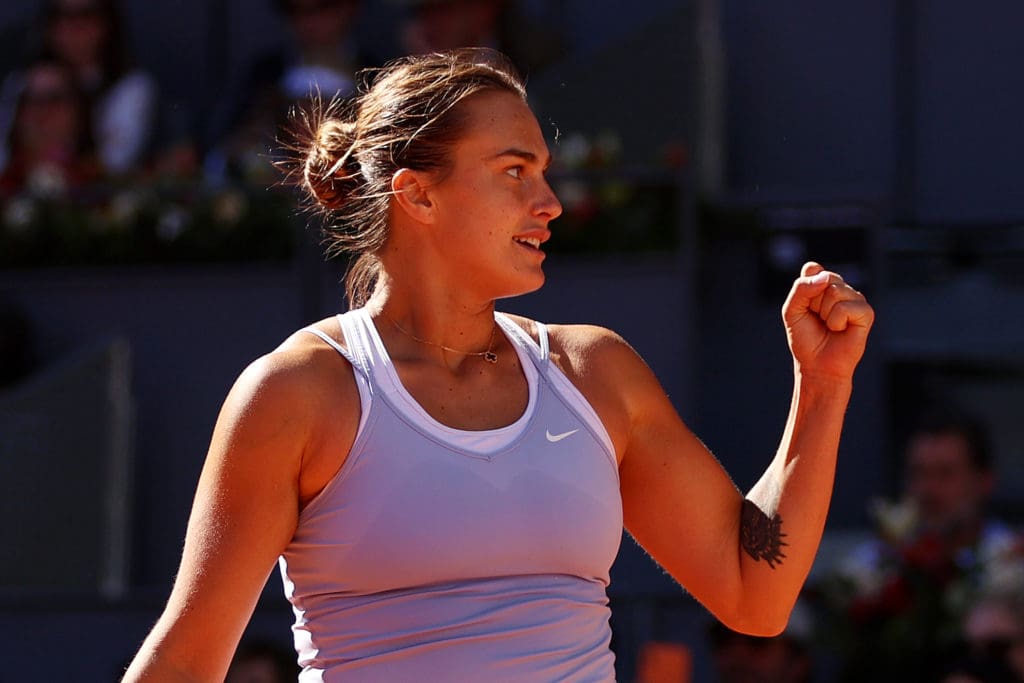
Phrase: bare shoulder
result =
(301, 370)
(297, 407)
(584, 349)
(271, 452)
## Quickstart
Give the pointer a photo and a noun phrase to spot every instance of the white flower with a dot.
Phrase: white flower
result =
(896, 521)
(1002, 563)
(863, 568)
(19, 214)
(47, 180)
(173, 222)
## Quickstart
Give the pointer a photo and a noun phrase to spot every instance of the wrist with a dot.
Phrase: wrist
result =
(823, 383)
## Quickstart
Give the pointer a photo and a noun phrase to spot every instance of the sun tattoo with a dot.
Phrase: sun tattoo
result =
(761, 535)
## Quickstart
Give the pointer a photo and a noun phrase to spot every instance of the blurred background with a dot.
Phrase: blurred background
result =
(704, 150)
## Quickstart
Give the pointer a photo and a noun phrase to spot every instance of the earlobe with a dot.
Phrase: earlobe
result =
(410, 192)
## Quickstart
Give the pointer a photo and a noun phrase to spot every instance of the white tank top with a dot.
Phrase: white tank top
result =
(438, 554)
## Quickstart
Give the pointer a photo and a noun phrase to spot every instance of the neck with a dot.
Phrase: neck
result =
(416, 325)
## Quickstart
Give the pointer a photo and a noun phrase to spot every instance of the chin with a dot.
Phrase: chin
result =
(524, 285)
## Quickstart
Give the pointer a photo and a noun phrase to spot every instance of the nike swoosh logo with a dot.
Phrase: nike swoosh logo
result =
(555, 438)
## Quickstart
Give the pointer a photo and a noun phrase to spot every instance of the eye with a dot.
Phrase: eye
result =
(515, 171)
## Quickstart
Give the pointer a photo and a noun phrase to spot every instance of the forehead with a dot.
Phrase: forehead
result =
(945, 449)
(989, 619)
(496, 121)
(46, 77)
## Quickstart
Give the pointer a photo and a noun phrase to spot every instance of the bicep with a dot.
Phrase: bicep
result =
(244, 513)
(678, 502)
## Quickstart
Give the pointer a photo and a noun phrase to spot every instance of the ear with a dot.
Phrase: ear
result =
(410, 193)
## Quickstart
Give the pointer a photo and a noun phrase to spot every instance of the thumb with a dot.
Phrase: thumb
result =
(807, 291)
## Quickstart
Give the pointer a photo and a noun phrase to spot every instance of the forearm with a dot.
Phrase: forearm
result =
(792, 500)
(149, 665)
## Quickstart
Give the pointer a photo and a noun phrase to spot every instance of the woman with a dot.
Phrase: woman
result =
(86, 35)
(445, 485)
(993, 640)
(49, 145)
(323, 54)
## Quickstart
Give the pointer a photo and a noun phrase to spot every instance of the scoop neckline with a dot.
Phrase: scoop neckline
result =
(411, 406)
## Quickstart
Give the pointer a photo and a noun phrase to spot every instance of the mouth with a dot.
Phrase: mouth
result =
(531, 242)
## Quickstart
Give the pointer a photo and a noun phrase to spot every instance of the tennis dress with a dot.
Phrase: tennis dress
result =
(438, 554)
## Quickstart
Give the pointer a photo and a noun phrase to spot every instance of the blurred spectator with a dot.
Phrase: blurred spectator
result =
(949, 479)
(322, 55)
(87, 35)
(786, 658)
(901, 597)
(993, 642)
(49, 143)
(500, 24)
(259, 661)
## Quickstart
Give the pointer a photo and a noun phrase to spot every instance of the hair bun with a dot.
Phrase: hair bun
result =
(332, 172)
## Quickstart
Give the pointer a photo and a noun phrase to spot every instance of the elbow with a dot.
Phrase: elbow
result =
(767, 627)
(765, 619)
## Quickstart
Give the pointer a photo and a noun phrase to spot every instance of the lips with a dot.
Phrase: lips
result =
(532, 239)
(529, 241)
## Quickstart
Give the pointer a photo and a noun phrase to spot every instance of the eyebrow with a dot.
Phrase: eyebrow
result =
(522, 154)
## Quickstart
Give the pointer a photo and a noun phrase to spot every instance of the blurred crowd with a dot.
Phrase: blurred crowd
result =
(76, 108)
(936, 594)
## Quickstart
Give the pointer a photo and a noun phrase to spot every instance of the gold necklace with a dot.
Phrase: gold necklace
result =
(489, 355)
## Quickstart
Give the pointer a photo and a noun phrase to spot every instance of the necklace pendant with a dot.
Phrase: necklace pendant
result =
(490, 356)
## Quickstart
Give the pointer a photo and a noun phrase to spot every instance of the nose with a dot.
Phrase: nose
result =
(547, 203)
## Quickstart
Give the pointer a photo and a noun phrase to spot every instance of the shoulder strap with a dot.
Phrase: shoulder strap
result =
(358, 363)
(542, 335)
(538, 349)
(355, 334)
(354, 350)
(330, 341)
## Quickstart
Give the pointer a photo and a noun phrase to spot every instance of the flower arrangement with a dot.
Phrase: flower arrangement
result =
(144, 221)
(899, 601)
(609, 206)
(169, 216)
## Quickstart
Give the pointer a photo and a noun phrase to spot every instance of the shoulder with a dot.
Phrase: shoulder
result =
(581, 340)
(133, 85)
(291, 411)
(301, 379)
(585, 349)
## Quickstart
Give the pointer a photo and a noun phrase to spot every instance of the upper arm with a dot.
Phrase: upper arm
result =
(244, 513)
(678, 502)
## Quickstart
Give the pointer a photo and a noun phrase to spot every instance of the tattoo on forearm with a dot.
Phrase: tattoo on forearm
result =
(761, 535)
